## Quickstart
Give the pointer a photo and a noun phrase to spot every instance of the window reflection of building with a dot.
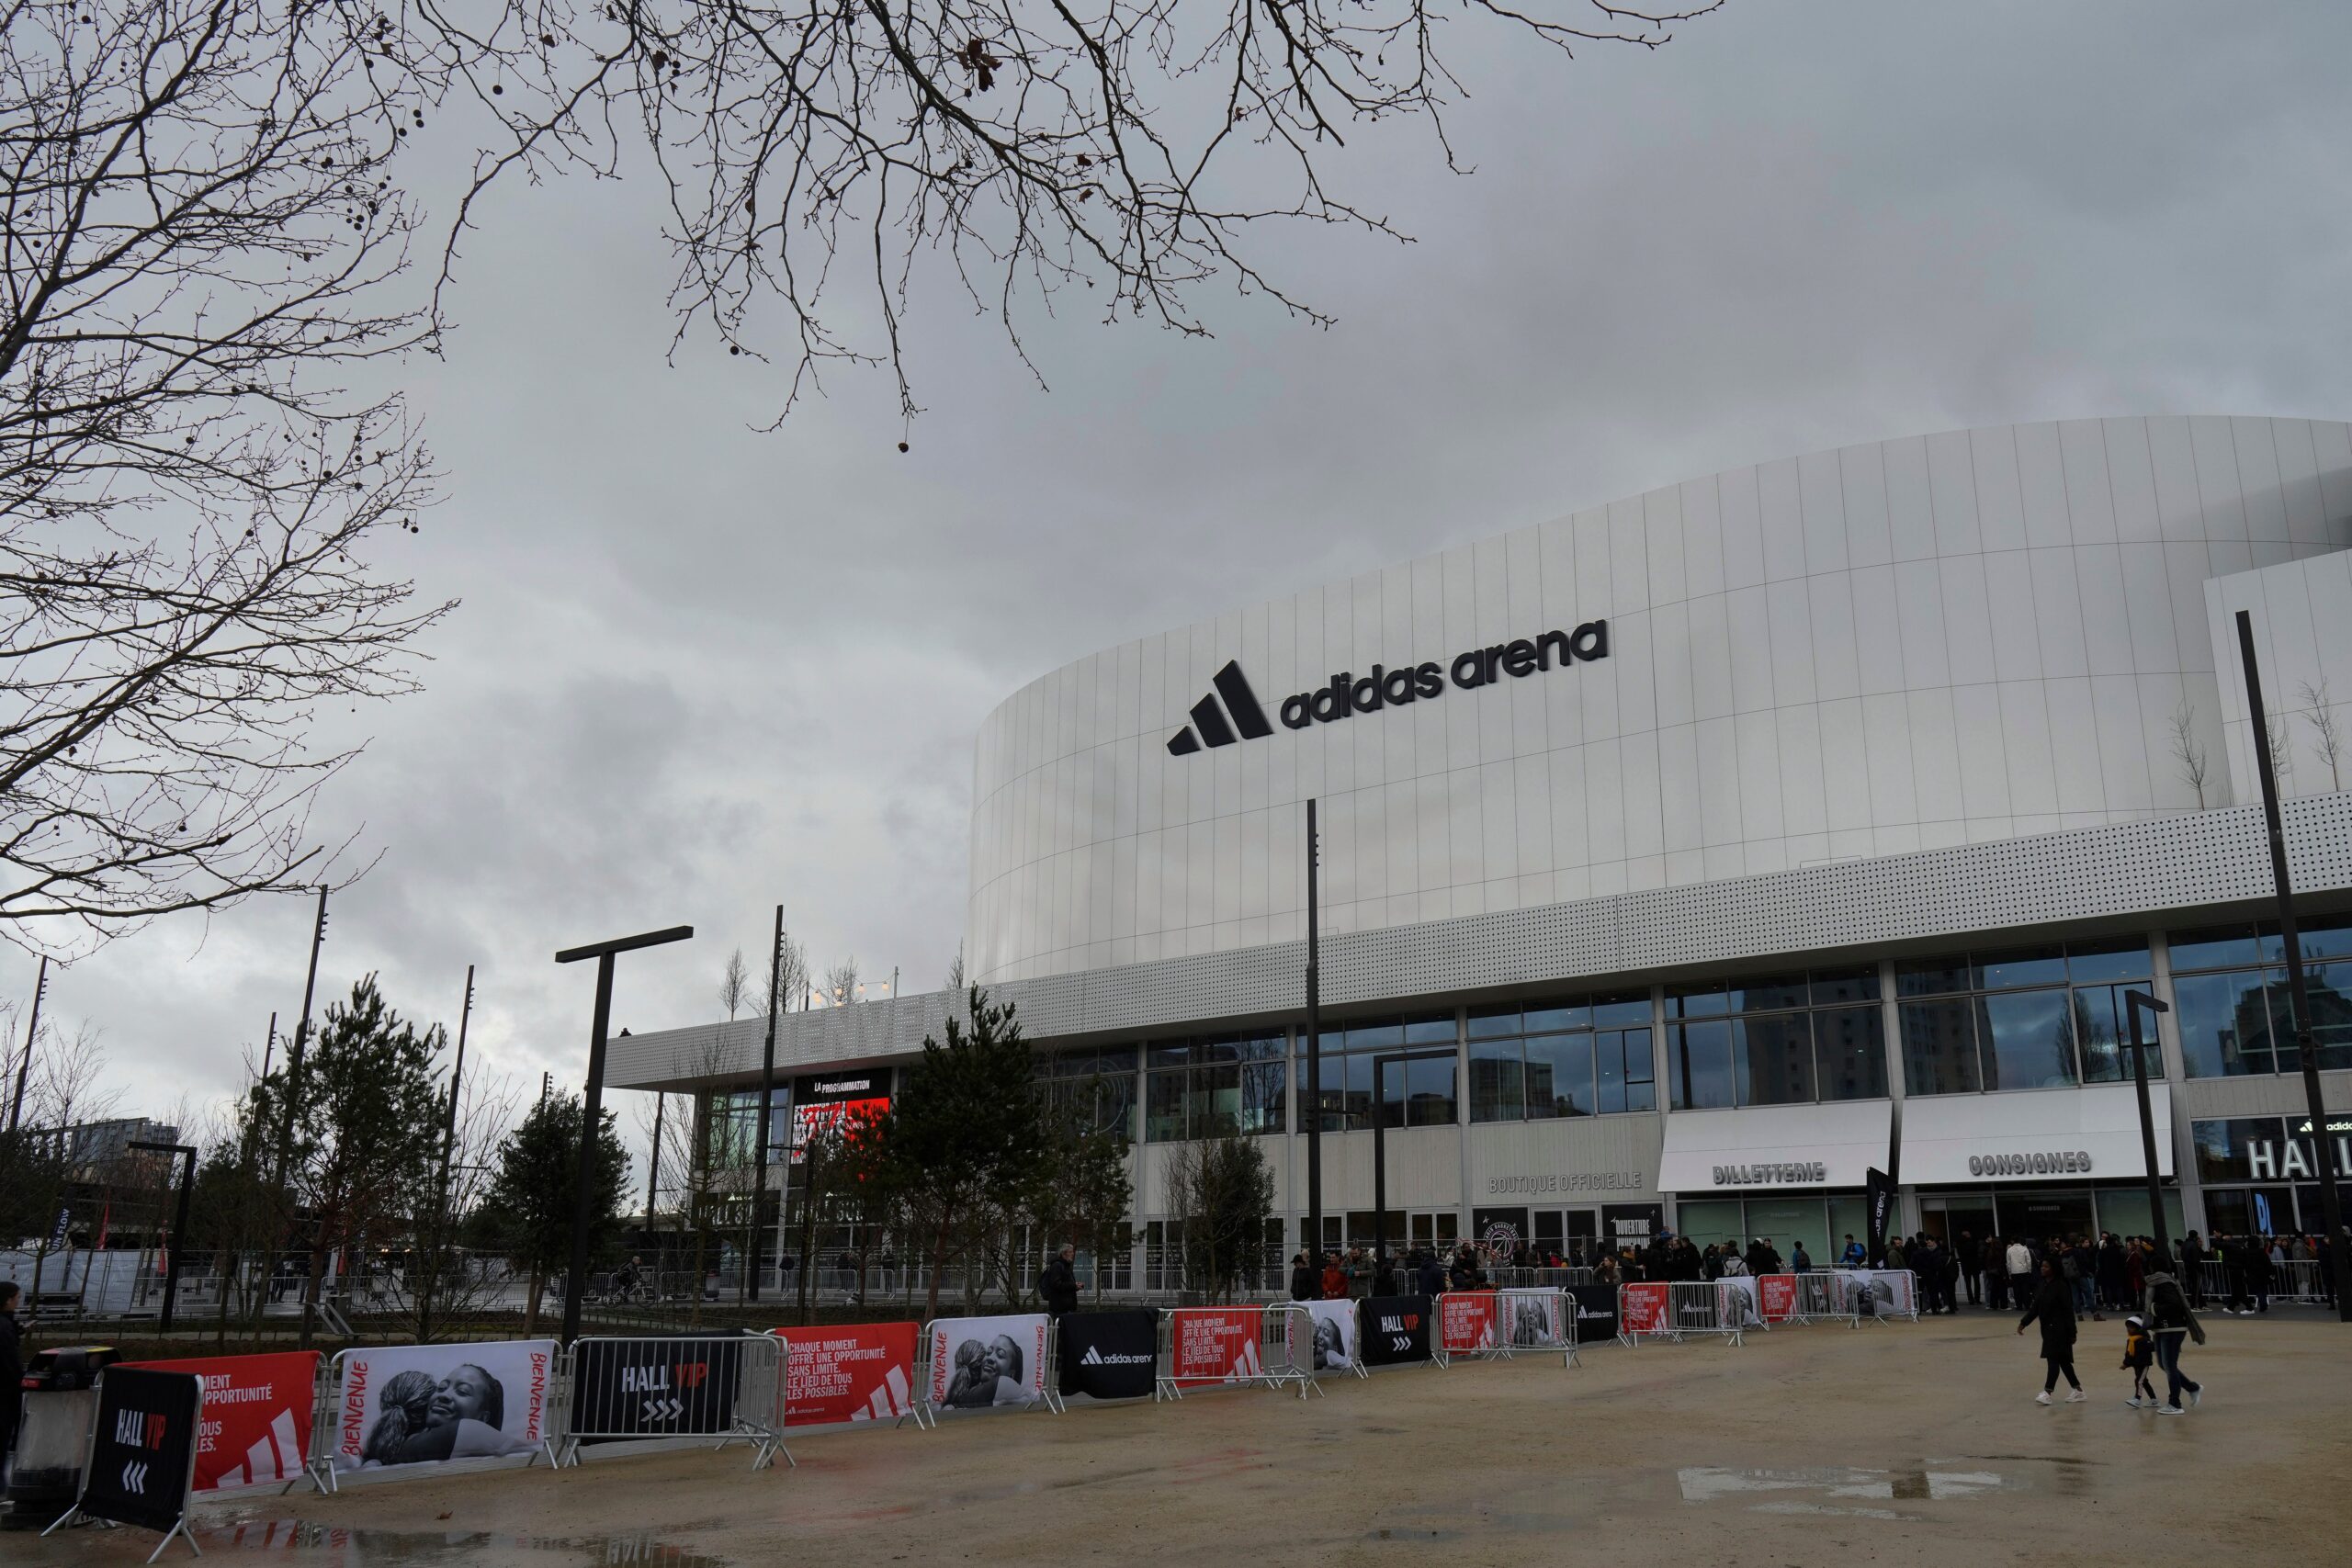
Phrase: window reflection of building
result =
(1418, 1092)
(1791, 1040)
(1575, 1056)
(2030, 1018)
(1204, 1086)
(2230, 986)
(1096, 1087)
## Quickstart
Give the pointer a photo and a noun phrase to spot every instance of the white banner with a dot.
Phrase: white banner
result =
(1877, 1293)
(1740, 1307)
(978, 1362)
(1535, 1319)
(426, 1403)
(1334, 1337)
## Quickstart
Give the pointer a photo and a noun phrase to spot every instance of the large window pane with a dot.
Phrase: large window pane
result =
(1493, 1024)
(1837, 985)
(1699, 1057)
(2329, 987)
(1769, 995)
(1932, 977)
(1707, 1221)
(1214, 1100)
(1784, 1222)
(1429, 1028)
(1940, 1047)
(1549, 1018)
(1697, 1001)
(2329, 938)
(2224, 1024)
(1262, 1098)
(1849, 1044)
(2027, 1040)
(1430, 1100)
(2103, 1034)
(1621, 1012)
(1640, 1087)
(1559, 1075)
(1772, 1059)
(1163, 1119)
(1496, 1082)
(1384, 1034)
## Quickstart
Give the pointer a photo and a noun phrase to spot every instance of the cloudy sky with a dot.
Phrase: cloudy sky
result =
(701, 669)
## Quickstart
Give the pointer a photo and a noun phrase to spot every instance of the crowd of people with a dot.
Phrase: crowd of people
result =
(2105, 1274)
(1358, 1274)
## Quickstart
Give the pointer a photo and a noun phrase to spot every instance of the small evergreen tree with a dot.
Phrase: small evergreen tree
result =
(533, 1195)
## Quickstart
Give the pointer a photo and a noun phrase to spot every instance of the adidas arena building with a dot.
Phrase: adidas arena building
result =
(1677, 853)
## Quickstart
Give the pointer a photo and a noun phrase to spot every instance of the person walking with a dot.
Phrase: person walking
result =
(2172, 1321)
(2054, 1308)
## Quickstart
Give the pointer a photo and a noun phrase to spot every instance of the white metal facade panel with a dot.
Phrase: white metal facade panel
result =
(1942, 1133)
(1938, 641)
(1845, 1139)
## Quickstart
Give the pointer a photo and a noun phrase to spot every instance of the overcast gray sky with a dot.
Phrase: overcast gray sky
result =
(700, 670)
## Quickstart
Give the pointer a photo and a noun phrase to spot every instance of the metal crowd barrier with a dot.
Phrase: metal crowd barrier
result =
(1696, 1306)
(1509, 1278)
(1274, 1351)
(748, 1406)
(1860, 1295)
(1493, 1348)
(1554, 1304)
(1819, 1299)
(923, 1413)
(326, 1411)
(2297, 1279)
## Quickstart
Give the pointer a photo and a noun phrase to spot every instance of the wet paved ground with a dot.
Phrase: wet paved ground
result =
(1917, 1443)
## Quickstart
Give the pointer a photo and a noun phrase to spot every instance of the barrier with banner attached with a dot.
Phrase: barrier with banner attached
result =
(1540, 1319)
(1466, 1327)
(1703, 1306)
(984, 1363)
(1776, 1298)
(1216, 1347)
(848, 1371)
(1395, 1331)
(259, 1417)
(1332, 1337)
(1641, 1308)
(1107, 1355)
(1878, 1295)
(1819, 1299)
(140, 1464)
(424, 1406)
(1741, 1301)
(723, 1386)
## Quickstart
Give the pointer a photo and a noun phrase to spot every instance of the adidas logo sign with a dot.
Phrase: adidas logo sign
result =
(1209, 719)
(1095, 1358)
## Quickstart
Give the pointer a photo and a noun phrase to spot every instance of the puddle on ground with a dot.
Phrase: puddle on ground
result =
(425, 1548)
(1833, 1491)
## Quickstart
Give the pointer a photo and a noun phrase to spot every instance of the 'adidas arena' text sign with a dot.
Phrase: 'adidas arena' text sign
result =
(1348, 694)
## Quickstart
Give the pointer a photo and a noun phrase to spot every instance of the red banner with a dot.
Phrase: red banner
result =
(257, 1417)
(1777, 1296)
(851, 1371)
(1640, 1307)
(1214, 1345)
(1467, 1321)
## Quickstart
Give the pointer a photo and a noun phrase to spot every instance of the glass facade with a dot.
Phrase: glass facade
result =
(1095, 1087)
(2230, 989)
(735, 1127)
(1796, 1039)
(1418, 1091)
(1570, 1057)
(1201, 1088)
(2028, 1018)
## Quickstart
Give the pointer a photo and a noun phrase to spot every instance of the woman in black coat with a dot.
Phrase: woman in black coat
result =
(2053, 1305)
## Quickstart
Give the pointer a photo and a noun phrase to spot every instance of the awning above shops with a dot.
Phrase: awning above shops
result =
(1773, 1146)
(2051, 1135)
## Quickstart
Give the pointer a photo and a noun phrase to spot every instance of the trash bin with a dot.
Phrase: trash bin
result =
(53, 1433)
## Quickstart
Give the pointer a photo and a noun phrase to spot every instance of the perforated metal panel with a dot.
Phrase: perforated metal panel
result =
(2154, 868)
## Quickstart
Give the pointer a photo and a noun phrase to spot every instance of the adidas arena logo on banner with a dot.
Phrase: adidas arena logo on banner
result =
(1096, 1356)
(1239, 716)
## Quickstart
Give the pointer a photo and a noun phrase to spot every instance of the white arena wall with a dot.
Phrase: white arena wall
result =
(1897, 647)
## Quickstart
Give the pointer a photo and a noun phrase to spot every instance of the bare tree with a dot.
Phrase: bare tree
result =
(956, 982)
(2188, 752)
(1125, 150)
(788, 979)
(841, 986)
(734, 985)
(2282, 748)
(2321, 717)
(199, 224)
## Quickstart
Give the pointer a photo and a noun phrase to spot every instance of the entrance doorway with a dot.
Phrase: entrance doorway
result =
(1574, 1234)
(1945, 1217)
(2046, 1216)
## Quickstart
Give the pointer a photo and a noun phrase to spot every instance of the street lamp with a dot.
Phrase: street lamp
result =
(2132, 1002)
(593, 1101)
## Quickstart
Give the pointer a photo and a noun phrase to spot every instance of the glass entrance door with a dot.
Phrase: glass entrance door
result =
(2045, 1218)
(1946, 1215)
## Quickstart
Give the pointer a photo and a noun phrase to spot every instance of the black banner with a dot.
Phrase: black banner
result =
(678, 1386)
(1110, 1355)
(1630, 1225)
(1391, 1330)
(1501, 1229)
(143, 1453)
(1879, 1190)
(1596, 1310)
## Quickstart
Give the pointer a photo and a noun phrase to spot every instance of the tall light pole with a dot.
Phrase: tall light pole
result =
(449, 1149)
(2132, 1002)
(1313, 1058)
(767, 1093)
(301, 1038)
(25, 1063)
(592, 1106)
(2331, 1202)
(179, 1225)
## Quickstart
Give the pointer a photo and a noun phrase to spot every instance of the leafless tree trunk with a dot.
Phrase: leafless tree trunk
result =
(2324, 724)
(2188, 752)
(841, 988)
